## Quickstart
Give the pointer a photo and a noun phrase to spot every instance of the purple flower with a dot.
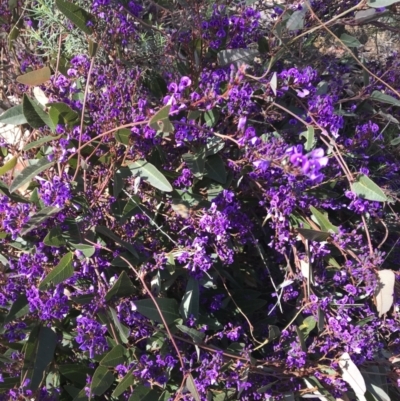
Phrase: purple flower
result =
(184, 83)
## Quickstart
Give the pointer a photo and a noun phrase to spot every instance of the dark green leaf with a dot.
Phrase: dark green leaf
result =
(19, 308)
(194, 114)
(273, 332)
(28, 173)
(54, 238)
(101, 381)
(123, 287)
(39, 352)
(13, 116)
(151, 174)
(160, 120)
(9, 165)
(142, 393)
(169, 309)
(126, 382)
(93, 47)
(36, 77)
(215, 168)
(34, 113)
(195, 163)
(13, 35)
(8, 383)
(114, 357)
(75, 372)
(197, 336)
(75, 14)
(38, 218)
(108, 233)
(119, 176)
(63, 271)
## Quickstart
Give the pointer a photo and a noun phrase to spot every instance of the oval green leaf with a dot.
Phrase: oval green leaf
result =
(76, 15)
(365, 188)
(13, 116)
(63, 271)
(28, 173)
(151, 174)
(36, 77)
(101, 381)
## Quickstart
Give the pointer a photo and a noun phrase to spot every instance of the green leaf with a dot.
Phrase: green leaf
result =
(211, 117)
(123, 135)
(108, 233)
(40, 142)
(169, 309)
(191, 386)
(8, 383)
(101, 380)
(61, 113)
(365, 188)
(381, 3)
(39, 353)
(151, 174)
(93, 47)
(160, 121)
(114, 357)
(34, 113)
(123, 287)
(13, 116)
(313, 382)
(8, 166)
(310, 138)
(349, 41)
(308, 325)
(384, 291)
(323, 221)
(75, 14)
(63, 271)
(197, 336)
(76, 373)
(119, 176)
(190, 301)
(236, 56)
(195, 163)
(296, 20)
(54, 238)
(215, 168)
(126, 382)
(87, 250)
(13, 35)
(36, 77)
(142, 393)
(383, 98)
(313, 235)
(193, 114)
(122, 330)
(19, 308)
(38, 218)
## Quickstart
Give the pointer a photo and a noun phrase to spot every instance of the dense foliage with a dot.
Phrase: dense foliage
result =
(204, 206)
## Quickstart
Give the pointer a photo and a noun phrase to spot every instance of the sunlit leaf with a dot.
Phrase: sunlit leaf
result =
(63, 271)
(383, 98)
(150, 174)
(36, 77)
(40, 142)
(384, 291)
(365, 188)
(8, 165)
(351, 374)
(323, 221)
(296, 20)
(123, 287)
(381, 3)
(13, 116)
(160, 120)
(191, 386)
